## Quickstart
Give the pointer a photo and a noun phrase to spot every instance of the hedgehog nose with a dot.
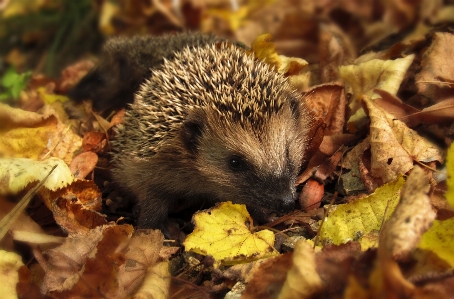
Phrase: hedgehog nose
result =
(287, 203)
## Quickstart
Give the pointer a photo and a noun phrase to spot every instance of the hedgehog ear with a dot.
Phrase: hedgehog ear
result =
(192, 130)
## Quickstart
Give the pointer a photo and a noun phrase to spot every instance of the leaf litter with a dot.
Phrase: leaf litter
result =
(380, 113)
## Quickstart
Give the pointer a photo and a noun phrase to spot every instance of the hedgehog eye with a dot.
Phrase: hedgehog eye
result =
(236, 163)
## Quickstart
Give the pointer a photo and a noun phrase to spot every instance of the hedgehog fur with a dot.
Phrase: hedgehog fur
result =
(125, 63)
(212, 124)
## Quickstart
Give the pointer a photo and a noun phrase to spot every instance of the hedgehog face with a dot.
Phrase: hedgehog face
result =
(257, 166)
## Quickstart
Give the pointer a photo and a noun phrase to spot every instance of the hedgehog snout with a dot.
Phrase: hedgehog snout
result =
(286, 202)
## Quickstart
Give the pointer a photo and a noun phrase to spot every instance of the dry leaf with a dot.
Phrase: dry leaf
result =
(76, 207)
(156, 283)
(327, 101)
(10, 263)
(368, 76)
(224, 232)
(353, 220)
(436, 68)
(394, 146)
(83, 164)
(16, 174)
(411, 218)
(83, 264)
(302, 280)
(269, 278)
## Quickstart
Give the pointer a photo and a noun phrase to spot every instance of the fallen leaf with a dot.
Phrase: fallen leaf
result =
(95, 142)
(83, 164)
(438, 239)
(269, 278)
(450, 170)
(353, 220)
(224, 232)
(302, 281)
(32, 135)
(10, 263)
(368, 76)
(436, 114)
(17, 173)
(327, 101)
(156, 283)
(75, 207)
(394, 146)
(436, 69)
(410, 219)
(311, 195)
(84, 264)
(265, 50)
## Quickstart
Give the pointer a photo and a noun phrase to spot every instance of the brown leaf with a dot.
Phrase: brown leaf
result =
(336, 49)
(95, 142)
(392, 104)
(436, 65)
(327, 101)
(401, 233)
(83, 164)
(269, 278)
(411, 218)
(435, 114)
(394, 146)
(75, 206)
(83, 264)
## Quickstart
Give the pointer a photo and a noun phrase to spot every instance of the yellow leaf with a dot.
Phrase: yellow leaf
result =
(16, 174)
(361, 216)
(10, 263)
(265, 50)
(224, 233)
(450, 170)
(50, 98)
(36, 136)
(438, 239)
(109, 10)
(374, 74)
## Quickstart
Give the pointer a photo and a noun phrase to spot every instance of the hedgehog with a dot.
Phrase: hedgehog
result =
(212, 124)
(125, 63)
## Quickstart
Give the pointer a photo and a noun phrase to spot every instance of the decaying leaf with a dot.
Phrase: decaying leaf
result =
(269, 278)
(265, 50)
(17, 173)
(108, 260)
(394, 146)
(411, 218)
(351, 221)
(450, 170)
(10, 263)
(32, 135)
(327, 101)
(156, 283)
(374, 74)
(436, 71)
(83, 164)
(438, 239)
(76, 207)
(225, 233)
(302, 280)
